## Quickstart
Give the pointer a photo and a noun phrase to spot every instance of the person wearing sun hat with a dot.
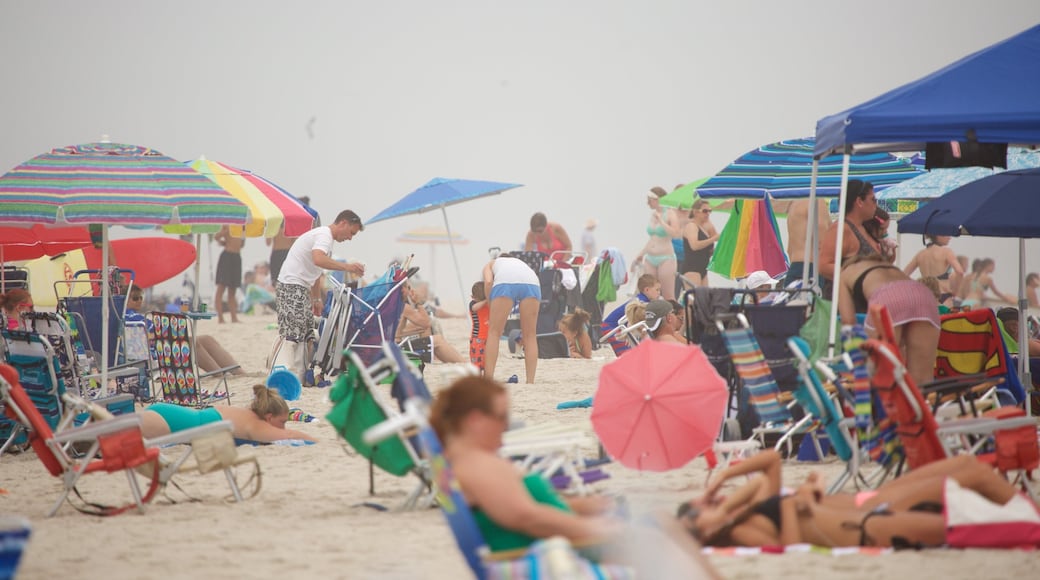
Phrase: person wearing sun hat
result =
(763, 284)
(662, 322)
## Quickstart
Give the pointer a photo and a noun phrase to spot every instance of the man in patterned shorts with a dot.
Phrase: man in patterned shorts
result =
(298, 294)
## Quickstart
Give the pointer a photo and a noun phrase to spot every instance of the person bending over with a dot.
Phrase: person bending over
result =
(263, 421)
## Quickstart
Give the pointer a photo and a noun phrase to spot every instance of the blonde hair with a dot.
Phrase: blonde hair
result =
(635, 312)
(576, 321)
(267, 401)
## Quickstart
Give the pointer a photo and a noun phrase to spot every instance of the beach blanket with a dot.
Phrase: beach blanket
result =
(795, 549)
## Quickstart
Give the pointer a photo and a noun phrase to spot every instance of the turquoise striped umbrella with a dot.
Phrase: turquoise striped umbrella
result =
(112, 183)
(784, 170)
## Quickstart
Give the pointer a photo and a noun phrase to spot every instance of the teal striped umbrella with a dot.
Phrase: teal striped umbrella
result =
(112, 183)
(784, 170)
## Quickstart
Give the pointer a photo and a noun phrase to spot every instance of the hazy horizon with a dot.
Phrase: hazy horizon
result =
(588, 104)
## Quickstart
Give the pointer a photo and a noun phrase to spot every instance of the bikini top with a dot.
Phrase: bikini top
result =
(945, 275)
(865, 248)
(859, 301)
(555, 244)
(659, 231)
(769, 508)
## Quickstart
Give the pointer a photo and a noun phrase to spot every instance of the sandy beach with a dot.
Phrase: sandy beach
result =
(310, 519)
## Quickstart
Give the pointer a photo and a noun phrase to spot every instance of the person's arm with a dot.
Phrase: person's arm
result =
(529, 242)
(415, 320)
(846, 308)
(221, 237)
(1001, 295)
(766, 462)
(489, 278)
(256, 429)
(322, 260)
(477, 305)
(561, 235)
(1034, 301)
(671, 224)
(639, 257)
(494, 486)
(827, 245)
(913, 265)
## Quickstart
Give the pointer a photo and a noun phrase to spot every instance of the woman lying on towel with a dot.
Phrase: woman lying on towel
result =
(907, 511)
(263, 422)
(513, 511)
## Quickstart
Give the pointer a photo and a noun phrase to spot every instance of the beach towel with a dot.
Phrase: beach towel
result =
(970, 342)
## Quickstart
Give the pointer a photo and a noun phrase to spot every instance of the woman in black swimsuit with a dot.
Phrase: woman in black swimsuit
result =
(699, 237)
(758, 514)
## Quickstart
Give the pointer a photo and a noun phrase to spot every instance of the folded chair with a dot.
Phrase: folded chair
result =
(36, 364)
(357, 404)
(178, 370)
(762, 391)
(204, 449)
(114, 446)
(552, 558)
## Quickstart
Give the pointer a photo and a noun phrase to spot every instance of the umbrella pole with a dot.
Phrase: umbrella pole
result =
(1023, 328)
(198, 267)
(106, 295)
(454, 257)
(837, 253)
(811, 243)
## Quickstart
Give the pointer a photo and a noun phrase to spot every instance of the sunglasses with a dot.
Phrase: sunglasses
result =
(705, 211)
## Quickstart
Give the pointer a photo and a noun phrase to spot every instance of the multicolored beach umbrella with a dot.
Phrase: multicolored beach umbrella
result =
(683, 197)
(113, 184)
(784, 170)
(270, 206)
(750, 241)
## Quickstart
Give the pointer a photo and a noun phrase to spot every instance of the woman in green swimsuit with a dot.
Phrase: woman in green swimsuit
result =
(658, 256)
(264, 421)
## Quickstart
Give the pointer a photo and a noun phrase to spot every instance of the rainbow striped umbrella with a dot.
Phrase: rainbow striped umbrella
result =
(112, 183)
(750, 241)
(784, 170)
(270, 206)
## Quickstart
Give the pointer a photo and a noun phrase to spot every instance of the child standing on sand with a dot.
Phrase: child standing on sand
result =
(479, 309)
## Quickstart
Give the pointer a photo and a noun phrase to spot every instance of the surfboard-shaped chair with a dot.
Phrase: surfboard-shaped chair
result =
(38, 368)
(178, 372)
(112, 447)
(358, 403)
(552, 558)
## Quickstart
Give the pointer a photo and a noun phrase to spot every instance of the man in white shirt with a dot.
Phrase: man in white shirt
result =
(298, 293)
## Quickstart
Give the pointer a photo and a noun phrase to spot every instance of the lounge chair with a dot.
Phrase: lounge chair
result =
(178, 371)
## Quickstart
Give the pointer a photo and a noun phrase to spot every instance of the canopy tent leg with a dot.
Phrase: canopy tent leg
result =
(837, 252)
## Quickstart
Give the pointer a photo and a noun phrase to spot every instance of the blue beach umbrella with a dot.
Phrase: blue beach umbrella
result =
(784, 170)
(439, 193)
(1004, 205)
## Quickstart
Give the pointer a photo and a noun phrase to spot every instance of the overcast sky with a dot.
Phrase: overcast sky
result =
(586, 103)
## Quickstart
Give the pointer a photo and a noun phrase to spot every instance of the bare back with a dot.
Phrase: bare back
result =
(798, 224)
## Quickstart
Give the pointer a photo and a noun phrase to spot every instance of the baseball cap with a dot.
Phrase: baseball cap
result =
(759, 278)
(656, 311)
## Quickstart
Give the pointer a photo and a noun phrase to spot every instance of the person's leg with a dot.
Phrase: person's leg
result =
(920, 341)
(666, 275)
(445, 352)
(218, 301)
(499, 312)
(232, 301)
(211, 356)
(152, 424)
(529, 334)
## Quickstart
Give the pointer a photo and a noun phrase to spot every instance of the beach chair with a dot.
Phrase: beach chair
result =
(85, 305)
(763, 394)
(358, 404)
(553, 558)
(970, 345)
(14, 536)
(114, 446)
(557, 452)
(37, 365)
(178, 371)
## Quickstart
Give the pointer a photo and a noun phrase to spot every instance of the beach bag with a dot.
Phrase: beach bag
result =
(816, 330)
(972, 521)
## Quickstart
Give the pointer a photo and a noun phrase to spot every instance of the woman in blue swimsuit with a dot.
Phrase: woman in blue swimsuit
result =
(658, 255)
(264, 421)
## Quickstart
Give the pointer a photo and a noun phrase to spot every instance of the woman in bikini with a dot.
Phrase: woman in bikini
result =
(906, 510)
(867, 280)
(938, 261)
(658, 255)
(979, 282)
(699, 237)
(263, 421)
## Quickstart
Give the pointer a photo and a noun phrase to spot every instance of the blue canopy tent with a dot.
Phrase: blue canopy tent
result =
(988, 97)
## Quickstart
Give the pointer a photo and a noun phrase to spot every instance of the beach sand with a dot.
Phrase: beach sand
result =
(310, 519)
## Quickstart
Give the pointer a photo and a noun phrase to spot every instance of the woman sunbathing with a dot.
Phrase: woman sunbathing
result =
(264, 421)
(904, 511)
(512, 511)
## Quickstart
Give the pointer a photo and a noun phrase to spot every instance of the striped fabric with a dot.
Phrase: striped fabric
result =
(554, 558)
(784, 170)
(754, 371)
(111, 183)
(877, 433)
(270, 206)
(796, 549)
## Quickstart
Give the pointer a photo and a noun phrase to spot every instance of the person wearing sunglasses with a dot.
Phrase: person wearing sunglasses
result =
(860, 206)
(699, 237)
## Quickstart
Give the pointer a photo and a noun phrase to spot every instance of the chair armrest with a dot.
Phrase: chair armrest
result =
(92, 431)
(220, 371)
(184, 437)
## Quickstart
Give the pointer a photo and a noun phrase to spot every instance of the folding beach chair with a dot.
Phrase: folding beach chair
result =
(357, 404)
(756, 379)
(114, 446)
(971, 344)
(553, 558)
(178, 370)
(557, 452)
(37, 365)
(85, 304)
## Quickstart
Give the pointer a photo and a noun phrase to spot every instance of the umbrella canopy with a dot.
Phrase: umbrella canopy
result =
(440, 192)
(659, 406)
(112, 183)
(1003, 205)
(784, 170)
(18, 243)
(683, 197)
(750, 241)
(431, 235)
(270, 206)
(937, 182)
